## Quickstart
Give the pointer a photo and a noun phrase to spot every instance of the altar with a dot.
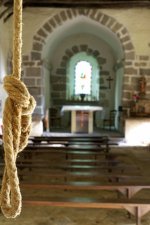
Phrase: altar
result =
(81, 117)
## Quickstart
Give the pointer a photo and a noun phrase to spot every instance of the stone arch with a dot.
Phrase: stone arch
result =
(57, 20)
(71, 52)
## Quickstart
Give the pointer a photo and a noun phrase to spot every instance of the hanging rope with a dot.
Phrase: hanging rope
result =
(16, 122)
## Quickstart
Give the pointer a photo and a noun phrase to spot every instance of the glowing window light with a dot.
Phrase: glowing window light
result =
(83, 77)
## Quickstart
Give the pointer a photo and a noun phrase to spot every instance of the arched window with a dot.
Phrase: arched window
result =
(83, 77)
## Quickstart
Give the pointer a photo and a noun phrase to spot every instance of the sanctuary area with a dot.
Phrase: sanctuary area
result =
(77, 72)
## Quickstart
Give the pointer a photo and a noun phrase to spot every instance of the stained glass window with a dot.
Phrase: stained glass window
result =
(83, 78)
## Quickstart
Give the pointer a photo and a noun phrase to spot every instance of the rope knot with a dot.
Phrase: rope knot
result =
(16, 129)
(17, 91)
(16, 123)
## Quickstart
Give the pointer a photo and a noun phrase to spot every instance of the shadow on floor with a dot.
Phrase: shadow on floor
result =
(97, 132)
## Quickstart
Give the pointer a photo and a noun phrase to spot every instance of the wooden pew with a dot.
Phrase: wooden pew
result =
(71, 138)
(127, 190)
(109, 164)
(96, 141)
(136, 208)
(103, 177)
(79, 167)
(65, 149)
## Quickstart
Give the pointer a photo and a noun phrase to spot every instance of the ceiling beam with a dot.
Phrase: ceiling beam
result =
(8, 4)
(81, 3)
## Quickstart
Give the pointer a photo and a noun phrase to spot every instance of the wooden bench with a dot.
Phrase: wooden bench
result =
(109, 168)
(96, 141)
(137, 208)
(106, 170)
(105, 167)
(127, 190)
(70, 138)
(72, 161)
(79, 167)
(100, 176)
(66, 149)
(109, 163)
(91, 178)
(32, 150)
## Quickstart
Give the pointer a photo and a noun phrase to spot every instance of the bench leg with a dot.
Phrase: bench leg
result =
(138, 211)
(134, 210)
(141, 211)
(138, 216)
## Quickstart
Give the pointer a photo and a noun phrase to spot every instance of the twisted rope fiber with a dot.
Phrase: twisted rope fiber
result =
(17, 112)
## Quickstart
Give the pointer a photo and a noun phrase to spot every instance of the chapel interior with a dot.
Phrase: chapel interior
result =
(111, 40)
(87, 64)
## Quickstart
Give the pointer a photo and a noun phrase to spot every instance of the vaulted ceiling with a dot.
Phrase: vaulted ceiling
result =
(7, 5)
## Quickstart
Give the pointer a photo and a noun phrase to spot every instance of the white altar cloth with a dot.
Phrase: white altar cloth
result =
(81, 108)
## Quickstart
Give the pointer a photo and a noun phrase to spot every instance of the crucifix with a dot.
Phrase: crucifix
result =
(109, 79)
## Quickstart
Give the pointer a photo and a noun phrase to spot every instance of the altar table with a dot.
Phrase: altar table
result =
(81, 117)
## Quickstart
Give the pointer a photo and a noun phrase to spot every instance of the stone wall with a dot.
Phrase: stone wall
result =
(139, 66)
(134, 64)
(59, 80)
(39, 40)
(34, 79)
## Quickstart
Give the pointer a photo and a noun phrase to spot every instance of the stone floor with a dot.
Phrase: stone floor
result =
(68, 216)
(63, 216)
(96, 131)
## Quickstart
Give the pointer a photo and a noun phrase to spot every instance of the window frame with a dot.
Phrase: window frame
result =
(95, 77)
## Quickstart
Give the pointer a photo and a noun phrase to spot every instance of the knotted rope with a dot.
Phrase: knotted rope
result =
(16, 123)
